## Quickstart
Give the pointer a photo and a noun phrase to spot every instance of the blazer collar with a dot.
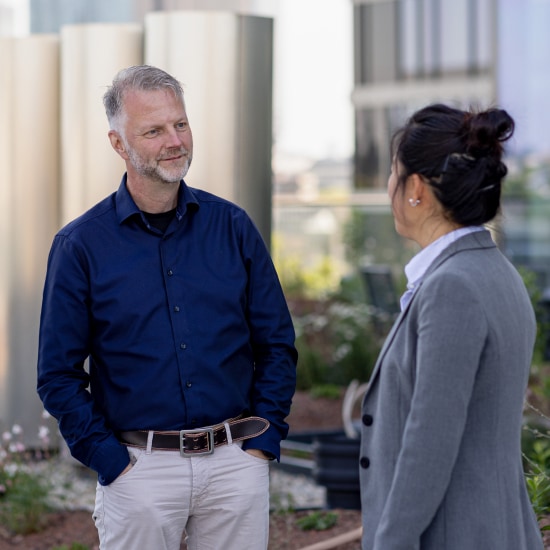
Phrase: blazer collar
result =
(471, 241)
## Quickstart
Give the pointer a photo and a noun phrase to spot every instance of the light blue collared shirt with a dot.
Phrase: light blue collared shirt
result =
(417, 267)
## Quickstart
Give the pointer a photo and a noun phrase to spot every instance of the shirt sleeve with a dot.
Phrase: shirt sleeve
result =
(63, 349)
(272, 339)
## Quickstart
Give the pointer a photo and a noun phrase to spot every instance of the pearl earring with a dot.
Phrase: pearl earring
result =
(414, 202)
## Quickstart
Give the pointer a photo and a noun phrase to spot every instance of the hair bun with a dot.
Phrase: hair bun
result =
(487, 130)
(459, 153)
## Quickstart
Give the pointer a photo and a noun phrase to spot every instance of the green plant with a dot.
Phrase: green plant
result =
(328, 391)
(369, 237)
(538, 487)
(318, 521)
(282, 503)
(315, 282)
(24, 504)
(337, 343)
(530, 280)
(312, 365)
(536, 458)
(23, 493)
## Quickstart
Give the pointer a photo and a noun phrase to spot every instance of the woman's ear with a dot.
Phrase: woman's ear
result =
(416, 187)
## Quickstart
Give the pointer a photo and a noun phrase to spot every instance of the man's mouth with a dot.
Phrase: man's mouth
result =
(171, 158)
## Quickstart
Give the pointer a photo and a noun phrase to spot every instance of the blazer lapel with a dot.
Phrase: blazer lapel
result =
(479, 239)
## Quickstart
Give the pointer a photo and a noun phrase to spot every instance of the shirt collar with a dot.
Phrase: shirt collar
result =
(126, 207)
(420, 263)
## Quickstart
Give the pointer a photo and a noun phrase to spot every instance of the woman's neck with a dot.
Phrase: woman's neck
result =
(433, 229)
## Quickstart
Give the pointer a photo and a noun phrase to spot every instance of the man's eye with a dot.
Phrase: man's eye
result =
(152, 133)
(181, 125)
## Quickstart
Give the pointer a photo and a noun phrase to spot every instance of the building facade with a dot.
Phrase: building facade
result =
(481, 53)
(49, 16)
(411, 52)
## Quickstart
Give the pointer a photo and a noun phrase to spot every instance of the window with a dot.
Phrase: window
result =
(442, 37)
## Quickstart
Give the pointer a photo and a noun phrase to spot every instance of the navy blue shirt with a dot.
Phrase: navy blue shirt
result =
(182, 329)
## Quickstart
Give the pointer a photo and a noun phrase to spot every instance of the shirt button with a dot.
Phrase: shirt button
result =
(176, 308)
(365, 462)
(367, 420)
(170, 272)
(183, 346)
(188, 384)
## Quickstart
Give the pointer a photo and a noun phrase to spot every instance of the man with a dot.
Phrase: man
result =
(171, 294)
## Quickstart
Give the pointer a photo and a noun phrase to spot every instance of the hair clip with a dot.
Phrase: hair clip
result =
(486, 188)
(457, 156)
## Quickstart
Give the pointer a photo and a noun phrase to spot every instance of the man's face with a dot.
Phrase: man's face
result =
(156, 140)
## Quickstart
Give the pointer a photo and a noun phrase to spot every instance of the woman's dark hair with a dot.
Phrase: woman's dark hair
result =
(459, 153)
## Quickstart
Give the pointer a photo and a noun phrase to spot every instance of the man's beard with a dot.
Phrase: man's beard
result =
(152, 169)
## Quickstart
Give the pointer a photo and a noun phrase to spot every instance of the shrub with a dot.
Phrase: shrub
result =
(23, 493)
(318, 521)
(337, 342)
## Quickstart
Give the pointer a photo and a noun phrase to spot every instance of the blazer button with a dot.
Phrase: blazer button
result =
(367, 420)
(365, 462)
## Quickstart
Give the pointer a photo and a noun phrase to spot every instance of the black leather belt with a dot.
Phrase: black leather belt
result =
(201, 441)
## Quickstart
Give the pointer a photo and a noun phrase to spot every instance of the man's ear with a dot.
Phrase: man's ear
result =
(117, 144)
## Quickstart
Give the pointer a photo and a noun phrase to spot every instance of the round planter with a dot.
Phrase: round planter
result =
(336, 467)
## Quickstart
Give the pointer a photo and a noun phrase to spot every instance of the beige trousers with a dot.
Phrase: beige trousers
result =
(220, 501)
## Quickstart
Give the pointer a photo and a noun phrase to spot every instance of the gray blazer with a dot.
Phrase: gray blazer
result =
(440, 459)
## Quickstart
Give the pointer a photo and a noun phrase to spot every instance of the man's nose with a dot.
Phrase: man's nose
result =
(173, 139)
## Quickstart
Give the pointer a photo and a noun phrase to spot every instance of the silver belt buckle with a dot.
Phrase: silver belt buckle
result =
(209, 438)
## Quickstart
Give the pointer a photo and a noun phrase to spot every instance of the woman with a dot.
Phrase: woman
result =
(440, 452)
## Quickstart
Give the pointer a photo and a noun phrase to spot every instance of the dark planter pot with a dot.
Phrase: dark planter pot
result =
(336, 467)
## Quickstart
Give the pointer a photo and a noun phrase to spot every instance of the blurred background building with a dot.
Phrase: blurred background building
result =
(408, 53)
(480, 53)
(51, 15)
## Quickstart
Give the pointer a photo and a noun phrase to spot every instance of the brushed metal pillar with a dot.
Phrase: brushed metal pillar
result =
(90, 56)
(29, 176)
(225, 63)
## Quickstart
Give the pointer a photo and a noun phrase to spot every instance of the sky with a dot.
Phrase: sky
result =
(524, 80)
(314, 78)
(21, 16)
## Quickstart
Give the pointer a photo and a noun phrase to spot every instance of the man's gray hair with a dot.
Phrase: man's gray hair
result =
(140, 78)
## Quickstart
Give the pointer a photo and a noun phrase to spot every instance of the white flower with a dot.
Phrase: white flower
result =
(46, 415)
(6, 436)
(16, 429)
(11, 469)
(43, 432)
(341, 351)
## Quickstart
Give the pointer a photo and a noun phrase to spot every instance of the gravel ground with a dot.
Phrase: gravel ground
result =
(74, 487)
